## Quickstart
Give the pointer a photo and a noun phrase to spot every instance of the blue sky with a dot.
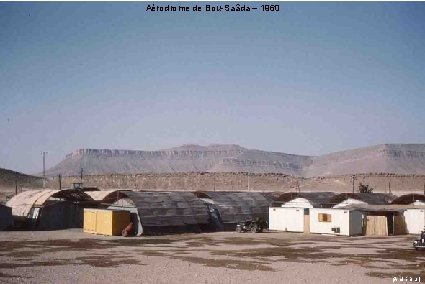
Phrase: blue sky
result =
(311, 79)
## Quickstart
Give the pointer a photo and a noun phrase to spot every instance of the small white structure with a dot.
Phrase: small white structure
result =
(298, 203)
(343, 222)
(289, 219)
(415, 220)
(360, 199)
(304, 199)
(349, 201)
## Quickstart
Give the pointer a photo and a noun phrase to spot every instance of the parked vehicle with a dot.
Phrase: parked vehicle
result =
(420, 243)
(254, 226)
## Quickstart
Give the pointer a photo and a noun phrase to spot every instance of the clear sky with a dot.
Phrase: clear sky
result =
(311, 79)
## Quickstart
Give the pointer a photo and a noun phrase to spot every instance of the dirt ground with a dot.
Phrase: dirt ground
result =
(71, 256)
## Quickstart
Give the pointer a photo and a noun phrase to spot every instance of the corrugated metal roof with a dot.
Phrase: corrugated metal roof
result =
(238, 206)
(22, 203)
(158, 209)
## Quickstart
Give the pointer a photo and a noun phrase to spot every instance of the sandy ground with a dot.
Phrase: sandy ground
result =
(71, 256)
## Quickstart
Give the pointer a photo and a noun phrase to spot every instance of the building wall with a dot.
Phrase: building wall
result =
(286, 219)
(239, 181)
(298, 203)
(184, 181)
(339, 218)
(415, 220)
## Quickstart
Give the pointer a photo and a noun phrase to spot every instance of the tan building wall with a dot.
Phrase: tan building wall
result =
(242, 181)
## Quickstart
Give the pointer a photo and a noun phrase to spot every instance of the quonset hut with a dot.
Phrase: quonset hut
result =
(6, 220)
(159, 212)
(49, 209)
(228, 208)
(410, 199)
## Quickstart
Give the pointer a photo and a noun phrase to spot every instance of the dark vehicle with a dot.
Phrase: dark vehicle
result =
(254, 226)
(420, 243)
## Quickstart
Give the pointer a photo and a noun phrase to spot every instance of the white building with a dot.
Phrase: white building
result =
(290, 212)
(415, 220)
(289, 219)
(343, 222)
(414, 214)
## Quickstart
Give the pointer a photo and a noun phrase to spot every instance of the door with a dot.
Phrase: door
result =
(306, 221)
(376, 226)
(399, 225)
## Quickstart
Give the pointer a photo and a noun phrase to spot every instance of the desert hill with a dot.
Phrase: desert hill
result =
(385, 158)
(388, 158)
(10, 179)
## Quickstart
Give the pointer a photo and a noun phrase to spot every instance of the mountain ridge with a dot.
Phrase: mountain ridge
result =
(389, 158)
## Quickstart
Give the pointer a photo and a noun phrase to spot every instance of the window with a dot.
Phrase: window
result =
(323, 217)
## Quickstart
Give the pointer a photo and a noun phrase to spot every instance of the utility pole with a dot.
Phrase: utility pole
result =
(44, 168)
(248, 181)
(81, 175)
(60, 182)
(353, 178)
(16, 183)
(44, 163)
(389, 186)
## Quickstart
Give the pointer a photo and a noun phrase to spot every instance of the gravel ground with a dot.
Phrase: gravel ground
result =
(71, 256)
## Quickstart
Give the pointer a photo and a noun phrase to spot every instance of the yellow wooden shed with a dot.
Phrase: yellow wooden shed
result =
(105, 222)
